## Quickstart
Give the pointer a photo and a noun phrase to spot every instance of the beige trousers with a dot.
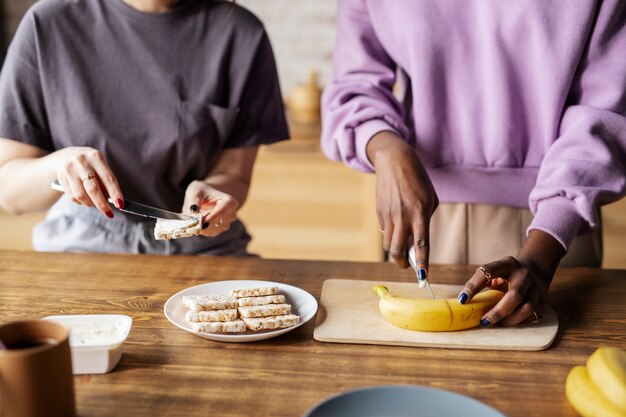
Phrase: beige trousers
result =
(479, 233)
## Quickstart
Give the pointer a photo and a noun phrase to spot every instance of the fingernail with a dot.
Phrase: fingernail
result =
(194, 208)
(120, 203)
(109, 214)
(485, 323)
(421, 274)
(463, 298)
(205, 225)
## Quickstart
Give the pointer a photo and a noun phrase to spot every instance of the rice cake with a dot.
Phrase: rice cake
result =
(261, 301)
(209, 302)
(211, 315)
(265, 310)
(254, 292)
(235, 326)
(274, 322)
(166, 229)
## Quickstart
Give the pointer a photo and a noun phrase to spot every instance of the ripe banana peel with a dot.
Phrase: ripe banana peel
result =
(607, 370)
(428, 315)
(599, 389)
(586, 397)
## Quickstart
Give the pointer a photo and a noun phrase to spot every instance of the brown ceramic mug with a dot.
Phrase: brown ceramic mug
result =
(35, 370)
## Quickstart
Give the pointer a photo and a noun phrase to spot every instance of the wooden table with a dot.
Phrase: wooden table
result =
(168, 372)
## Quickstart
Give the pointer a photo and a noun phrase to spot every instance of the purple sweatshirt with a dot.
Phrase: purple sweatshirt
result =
(508, 102)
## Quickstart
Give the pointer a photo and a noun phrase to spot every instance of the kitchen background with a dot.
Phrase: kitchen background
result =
(301, 205)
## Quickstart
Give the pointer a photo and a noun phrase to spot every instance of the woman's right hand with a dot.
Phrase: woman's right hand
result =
(405, 199)
(87, 178)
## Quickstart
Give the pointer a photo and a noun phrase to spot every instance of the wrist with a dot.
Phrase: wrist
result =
(542, 253)
(384, 146)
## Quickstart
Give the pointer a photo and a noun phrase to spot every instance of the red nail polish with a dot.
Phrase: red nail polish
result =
(109, 214)
(120, 203)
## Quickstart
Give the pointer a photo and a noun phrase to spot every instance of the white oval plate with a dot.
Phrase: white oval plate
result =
(401, 400)
(302, 304)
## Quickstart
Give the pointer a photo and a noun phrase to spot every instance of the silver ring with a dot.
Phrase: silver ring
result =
(89, 176)
(535, 316)
(218, 224)
(422, 243)
(486, 273)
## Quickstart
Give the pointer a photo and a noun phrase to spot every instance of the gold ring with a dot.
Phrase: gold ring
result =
(486, 273)
(89, 176)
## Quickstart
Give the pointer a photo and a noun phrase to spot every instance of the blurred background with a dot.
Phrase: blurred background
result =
(301, 206)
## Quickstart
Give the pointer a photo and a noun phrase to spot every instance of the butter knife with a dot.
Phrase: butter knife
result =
(138, 209)
(421, 282)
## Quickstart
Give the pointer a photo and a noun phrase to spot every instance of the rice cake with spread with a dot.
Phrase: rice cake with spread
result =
(166, 229)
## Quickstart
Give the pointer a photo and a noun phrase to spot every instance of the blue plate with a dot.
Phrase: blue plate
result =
(401, 401)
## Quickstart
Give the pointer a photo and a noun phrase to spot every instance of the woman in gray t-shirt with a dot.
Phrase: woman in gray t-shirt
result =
(162, 102)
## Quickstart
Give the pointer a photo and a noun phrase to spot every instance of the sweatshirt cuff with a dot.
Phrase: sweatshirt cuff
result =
(558, 217)
(364, 133)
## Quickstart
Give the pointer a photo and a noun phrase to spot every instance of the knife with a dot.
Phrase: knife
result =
(138, 209)
(421, 282)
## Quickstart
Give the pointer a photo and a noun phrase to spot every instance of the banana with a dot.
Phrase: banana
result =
(428, 315)
(586, 398)
(607, 370)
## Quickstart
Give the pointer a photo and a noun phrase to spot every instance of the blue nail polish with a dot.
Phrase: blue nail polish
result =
(421, 274)
(463, 298)
(485, 323)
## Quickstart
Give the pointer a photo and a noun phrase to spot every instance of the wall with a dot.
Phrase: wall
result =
(302, 34)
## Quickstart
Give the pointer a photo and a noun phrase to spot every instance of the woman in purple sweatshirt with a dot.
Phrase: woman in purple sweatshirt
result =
(498, 107)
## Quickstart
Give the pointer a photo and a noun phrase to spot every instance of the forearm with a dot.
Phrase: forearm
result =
(25, 184)
(541, 252)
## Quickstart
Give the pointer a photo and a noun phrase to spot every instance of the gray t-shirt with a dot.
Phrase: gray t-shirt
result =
(159, 94)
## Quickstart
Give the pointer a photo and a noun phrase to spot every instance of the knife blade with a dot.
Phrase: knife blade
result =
(138, 209)
(421, 282)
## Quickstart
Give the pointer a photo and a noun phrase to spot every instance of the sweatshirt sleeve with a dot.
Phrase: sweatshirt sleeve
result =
(359, 102)
(586, 166)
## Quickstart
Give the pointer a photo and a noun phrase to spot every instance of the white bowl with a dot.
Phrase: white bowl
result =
(95, 340)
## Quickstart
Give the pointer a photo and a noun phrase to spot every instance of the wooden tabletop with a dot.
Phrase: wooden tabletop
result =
(166, 371)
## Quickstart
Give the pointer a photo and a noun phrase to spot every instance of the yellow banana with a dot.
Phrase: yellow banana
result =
(428, 315)
(607, 370)
(586, 398)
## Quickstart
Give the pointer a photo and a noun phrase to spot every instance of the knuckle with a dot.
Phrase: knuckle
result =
(471, 287)
(396, 250)
(496, 316)
(94, 154)
(516, 294)
(109, 179)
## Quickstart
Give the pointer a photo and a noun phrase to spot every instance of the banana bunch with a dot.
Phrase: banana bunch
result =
(428, 315)
(599, 389)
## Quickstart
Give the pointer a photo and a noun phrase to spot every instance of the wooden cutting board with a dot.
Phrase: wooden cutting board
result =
(349, 313)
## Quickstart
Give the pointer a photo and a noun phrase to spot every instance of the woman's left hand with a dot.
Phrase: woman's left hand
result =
(525, 280)
(218, 209)
(526, 291)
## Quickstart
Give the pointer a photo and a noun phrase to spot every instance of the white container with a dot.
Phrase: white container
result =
(95, 340)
